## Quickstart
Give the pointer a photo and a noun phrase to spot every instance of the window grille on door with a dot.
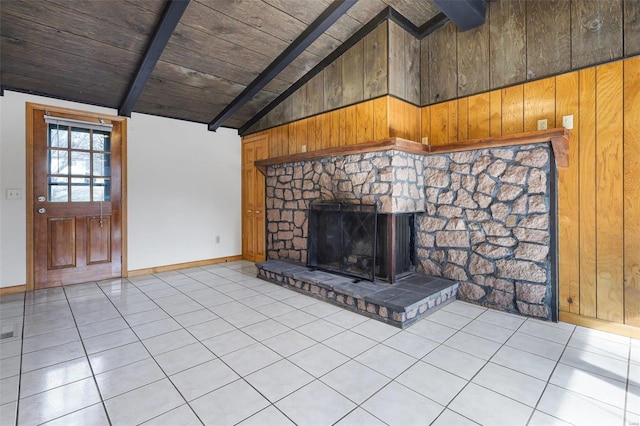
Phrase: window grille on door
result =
(79, 164)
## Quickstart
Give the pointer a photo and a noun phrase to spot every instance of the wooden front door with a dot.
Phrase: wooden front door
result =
(253, 199)
(76, 186)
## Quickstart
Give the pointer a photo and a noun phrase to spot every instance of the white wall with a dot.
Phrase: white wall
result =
(183, 189)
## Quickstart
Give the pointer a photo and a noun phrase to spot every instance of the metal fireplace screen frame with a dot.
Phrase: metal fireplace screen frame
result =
(342, 238)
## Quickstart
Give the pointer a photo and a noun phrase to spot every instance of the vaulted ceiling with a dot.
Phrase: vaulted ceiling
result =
(92, 51)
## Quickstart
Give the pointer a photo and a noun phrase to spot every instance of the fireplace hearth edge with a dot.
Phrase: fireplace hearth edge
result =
(409, 300)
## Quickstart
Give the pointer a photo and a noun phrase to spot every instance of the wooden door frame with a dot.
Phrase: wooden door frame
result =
(30, 108)
(244, 141)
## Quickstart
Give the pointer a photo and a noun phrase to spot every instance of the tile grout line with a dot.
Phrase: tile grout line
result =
(186, 402)
(24, 311)
(548, 381)
(469, 381)
(318, 379)
(184, 328)
(627, 384)
(86, 355)
(139, 340)
(393, 380)
(378, 343)
(240, 376)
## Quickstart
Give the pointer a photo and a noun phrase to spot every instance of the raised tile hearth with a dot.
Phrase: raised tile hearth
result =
(408, 300)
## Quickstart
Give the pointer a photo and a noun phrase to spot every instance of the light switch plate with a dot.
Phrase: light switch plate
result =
(14, 193)
(567, 122)
(542, 124)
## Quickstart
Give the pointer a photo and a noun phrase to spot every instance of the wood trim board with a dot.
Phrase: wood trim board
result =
(174, 267)
(5, 291)
(559, 139)
(599, 324)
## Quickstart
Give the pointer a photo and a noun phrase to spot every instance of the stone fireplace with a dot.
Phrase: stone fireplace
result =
(484, 215)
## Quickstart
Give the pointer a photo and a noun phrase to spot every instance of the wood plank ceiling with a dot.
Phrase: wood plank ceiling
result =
(90, 51)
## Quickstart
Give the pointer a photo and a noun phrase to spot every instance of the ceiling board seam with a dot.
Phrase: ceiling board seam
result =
(240, 63)
(72, 52)
(287, 42)
(80, 13)
(46, 95)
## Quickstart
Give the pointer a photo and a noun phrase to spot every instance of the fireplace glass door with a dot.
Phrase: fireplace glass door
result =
(342, 238)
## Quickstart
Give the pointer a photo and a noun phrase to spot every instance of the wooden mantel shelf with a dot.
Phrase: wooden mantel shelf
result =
(559, 139)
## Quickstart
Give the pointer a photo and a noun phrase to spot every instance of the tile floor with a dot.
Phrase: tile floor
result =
(217, 346)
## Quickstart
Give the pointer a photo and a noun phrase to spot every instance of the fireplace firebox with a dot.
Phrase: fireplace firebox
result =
(355, 240)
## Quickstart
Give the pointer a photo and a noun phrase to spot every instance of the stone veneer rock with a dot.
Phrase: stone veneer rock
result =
(488, 225)
(483, 216)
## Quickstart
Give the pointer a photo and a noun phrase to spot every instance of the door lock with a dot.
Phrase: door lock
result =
(42, 210)
(41, 199)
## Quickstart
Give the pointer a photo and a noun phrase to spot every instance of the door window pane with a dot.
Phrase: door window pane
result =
(102, 164)
(58, 162)
(58, 189)
(80, 138)
(58, 138)
(79, 168)
(101, 189)
(80, 163)
(80, 189)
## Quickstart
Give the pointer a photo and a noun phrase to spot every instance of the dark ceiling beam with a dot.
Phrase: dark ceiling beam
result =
(304, 40)
(466, 14)
(171, 15)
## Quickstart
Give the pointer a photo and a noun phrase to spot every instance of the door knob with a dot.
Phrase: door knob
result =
(41, 199)
(42, 210)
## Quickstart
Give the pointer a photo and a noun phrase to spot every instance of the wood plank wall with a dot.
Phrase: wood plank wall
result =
(359, 74)
(375, 119)
(404, 64)
(599, 193)
(524, 40)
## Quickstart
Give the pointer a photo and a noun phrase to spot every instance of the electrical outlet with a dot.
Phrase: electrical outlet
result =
(542, 124)
(425, 141)
(14, 194)
(304, 148)
(217, 239)
(567, 122)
